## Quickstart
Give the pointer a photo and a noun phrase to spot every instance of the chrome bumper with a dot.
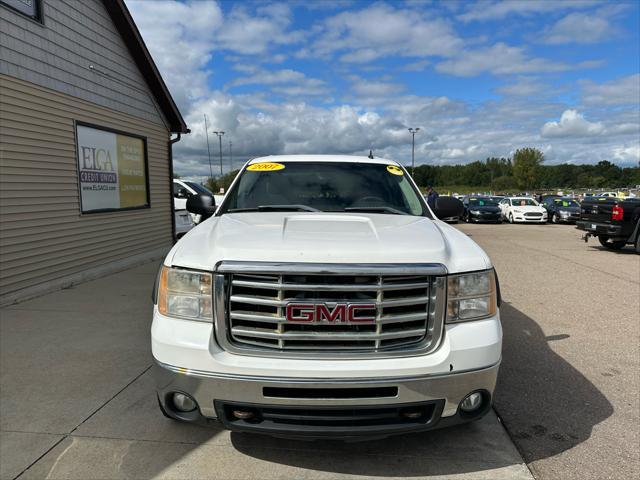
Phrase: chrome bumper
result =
(207, 388)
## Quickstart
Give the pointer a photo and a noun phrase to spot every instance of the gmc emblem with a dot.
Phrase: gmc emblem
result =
(340, 313)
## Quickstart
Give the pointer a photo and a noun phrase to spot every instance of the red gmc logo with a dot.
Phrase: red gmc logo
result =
(340, 313)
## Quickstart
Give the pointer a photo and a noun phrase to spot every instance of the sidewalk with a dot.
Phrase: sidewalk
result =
(77, 401)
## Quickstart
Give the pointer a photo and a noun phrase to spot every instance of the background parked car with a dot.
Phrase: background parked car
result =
(481, 209)
(183, 222)
(522, 209)
(565, 210)
(182, 190)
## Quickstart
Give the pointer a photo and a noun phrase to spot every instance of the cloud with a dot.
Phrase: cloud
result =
(579, 28)
(499, 59)
(523, 87)
(371, 88)
(180, 38)
(571, 124)
(497, 10)
(248, 34)
(622, 91)
(381, 30)
(295, 83)
(627, 154)
(418, 66)
(288, 107)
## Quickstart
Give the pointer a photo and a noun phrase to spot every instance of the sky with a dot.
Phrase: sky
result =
(479, 79)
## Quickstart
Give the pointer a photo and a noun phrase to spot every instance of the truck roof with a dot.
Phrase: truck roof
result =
(323, 158)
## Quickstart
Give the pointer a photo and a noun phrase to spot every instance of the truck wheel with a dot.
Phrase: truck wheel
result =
(606, 242)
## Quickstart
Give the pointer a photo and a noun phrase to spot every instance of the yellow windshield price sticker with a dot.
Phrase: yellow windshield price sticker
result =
(265, 167)
(394, 170)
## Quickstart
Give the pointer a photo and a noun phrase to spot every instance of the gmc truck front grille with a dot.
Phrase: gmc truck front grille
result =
(329, 311)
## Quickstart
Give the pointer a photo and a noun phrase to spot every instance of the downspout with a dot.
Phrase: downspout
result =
(173, 210)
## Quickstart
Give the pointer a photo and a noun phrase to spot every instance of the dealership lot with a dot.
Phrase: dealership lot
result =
(569, 382)
(78, 402)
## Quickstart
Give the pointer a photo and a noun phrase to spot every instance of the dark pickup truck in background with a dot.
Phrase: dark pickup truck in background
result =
(614, 221)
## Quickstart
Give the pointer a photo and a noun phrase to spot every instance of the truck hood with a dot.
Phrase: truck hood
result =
(326, 238)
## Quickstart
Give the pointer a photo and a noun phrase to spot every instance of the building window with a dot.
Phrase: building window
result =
(112, 169)
(29, 8)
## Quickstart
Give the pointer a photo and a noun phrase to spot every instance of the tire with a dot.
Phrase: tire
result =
(467, 218)
(554, 218)
(511, 218)
(638, 244)
(611, 245)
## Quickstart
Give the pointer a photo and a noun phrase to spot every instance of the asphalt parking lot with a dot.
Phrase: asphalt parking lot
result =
(570, 375)
(77, 396)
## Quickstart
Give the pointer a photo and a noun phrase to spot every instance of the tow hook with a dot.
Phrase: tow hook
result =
(586, 236)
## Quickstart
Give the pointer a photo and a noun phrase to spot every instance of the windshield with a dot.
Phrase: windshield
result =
(523, 202)
(482, 202)
(326, 187)
(199, 188)
(563, 202)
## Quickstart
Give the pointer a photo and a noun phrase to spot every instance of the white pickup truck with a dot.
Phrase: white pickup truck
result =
(325, 298)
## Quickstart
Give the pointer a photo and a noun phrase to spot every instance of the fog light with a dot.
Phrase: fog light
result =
(244, 414)
(471, 402)
(183, 403)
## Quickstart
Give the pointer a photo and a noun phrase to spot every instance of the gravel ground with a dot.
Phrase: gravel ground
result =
(569, 382)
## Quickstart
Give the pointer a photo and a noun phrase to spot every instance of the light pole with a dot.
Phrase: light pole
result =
(220, 134)
(413, 132)
(206, 131)
(230, 156)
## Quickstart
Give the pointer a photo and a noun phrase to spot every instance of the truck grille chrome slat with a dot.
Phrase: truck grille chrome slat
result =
(402, 314)
(315, 336)
(324, 287)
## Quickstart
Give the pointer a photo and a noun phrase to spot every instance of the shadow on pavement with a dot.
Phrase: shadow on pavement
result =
(546, 404)
(628, 250)
(470, 448)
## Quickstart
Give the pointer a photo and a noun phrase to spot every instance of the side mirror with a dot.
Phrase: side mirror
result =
(182, 193)
(204, 205)
(446, 207)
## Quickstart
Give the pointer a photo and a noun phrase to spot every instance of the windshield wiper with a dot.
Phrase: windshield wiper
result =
(375, 209)
(275, 208)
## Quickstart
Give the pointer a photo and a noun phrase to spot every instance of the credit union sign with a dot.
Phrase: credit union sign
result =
(112, 170)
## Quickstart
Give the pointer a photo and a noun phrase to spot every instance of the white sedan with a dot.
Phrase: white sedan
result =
(522, 209)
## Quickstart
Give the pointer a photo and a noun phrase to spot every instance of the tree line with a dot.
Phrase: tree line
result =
(525, 171)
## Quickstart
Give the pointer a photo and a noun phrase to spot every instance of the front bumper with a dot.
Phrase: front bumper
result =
(526, 219)
(190, 360)
(365, 401)
(485, 217)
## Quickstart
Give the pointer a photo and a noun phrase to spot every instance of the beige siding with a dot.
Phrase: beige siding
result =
(43, 235)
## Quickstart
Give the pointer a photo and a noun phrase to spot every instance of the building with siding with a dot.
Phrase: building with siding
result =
(86, 126)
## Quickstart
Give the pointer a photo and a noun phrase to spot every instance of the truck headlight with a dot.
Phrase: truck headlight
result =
(185, 294)
(471, 296)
